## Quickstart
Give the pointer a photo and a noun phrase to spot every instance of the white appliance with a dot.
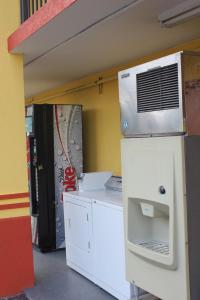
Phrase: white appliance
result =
(160, 104)
(95, 237)
(93, 180)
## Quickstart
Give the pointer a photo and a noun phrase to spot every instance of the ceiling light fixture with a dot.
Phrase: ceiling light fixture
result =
(180, 13)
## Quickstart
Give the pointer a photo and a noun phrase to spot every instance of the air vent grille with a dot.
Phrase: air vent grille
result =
(157, 89)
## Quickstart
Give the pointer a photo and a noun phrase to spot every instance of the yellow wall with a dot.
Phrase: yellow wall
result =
(101, 127)
(102, 113)
(13, 174)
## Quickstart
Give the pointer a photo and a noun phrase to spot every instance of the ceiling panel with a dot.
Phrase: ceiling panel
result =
(127, 35)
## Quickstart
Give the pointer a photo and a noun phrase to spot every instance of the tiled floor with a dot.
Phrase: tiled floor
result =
(55, 281)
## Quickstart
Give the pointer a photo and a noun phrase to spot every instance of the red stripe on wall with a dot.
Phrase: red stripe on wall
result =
(16, 258)
(14, 196)
(39, 19)
(15, 205)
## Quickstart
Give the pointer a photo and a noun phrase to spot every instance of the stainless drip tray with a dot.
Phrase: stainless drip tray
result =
(156, 246)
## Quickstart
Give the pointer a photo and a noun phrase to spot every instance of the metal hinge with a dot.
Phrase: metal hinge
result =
(40, 167)
(89, 245)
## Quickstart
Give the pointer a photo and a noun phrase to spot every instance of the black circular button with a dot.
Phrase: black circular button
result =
(162, 190)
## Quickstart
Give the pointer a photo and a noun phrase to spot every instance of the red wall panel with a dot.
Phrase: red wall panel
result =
(16, 258)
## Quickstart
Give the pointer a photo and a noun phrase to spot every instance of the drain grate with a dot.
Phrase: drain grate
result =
(156, 246)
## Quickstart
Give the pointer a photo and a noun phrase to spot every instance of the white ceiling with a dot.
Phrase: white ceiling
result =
(94, 35)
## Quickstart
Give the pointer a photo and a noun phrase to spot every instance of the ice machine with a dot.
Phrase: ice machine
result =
(160, 121)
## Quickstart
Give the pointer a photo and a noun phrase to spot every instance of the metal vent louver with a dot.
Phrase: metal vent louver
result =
(157, 89)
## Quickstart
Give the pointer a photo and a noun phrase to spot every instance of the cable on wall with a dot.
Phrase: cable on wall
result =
(80, 88)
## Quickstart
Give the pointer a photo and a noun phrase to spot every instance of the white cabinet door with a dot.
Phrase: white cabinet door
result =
(78, 226)
(109, 253)
(78, 231)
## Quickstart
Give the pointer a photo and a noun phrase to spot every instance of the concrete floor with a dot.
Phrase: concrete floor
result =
(55, 281)
(17, 297)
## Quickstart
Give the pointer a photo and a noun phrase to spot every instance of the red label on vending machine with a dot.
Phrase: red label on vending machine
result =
(70, 179)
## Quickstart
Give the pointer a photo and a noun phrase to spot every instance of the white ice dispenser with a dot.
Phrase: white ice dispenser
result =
(160, 120)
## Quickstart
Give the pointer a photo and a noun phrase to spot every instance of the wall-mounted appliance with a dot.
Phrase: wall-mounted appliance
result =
(160, 118)
(55, 160)
(158, 97)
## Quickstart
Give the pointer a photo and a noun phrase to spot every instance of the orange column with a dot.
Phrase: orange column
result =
(16, 260)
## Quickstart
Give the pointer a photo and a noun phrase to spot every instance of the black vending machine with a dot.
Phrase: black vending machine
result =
(54, 145)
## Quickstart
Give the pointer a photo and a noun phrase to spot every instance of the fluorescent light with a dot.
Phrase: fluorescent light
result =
(180, 13)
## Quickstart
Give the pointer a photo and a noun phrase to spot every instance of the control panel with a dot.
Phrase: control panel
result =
(114, 183)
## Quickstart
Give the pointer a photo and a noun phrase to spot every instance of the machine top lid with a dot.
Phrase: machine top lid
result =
(114, 183)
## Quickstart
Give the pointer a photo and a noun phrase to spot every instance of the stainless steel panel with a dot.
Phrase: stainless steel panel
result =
(154, 122)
